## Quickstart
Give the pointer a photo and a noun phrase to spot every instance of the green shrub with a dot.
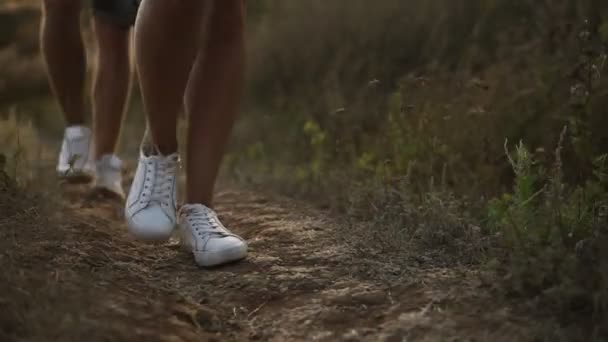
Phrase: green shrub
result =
(554, 237)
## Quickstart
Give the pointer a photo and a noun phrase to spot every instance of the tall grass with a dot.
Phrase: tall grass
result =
(397, 114)
(427, 86)
(24, 157)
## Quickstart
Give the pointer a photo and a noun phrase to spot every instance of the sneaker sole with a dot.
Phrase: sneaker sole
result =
(212, 259)
(150, 239)
(145, 237)
(76, 177)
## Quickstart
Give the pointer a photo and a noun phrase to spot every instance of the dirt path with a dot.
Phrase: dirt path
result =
(74, 274)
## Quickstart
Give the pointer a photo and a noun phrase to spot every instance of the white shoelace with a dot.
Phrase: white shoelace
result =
(205, 222)
(161, 181)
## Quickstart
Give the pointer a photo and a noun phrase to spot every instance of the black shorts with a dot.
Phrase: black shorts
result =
(121, 12)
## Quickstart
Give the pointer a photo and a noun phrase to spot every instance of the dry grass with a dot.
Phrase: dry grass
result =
(60, 282)
(71, 272)
(25, 154)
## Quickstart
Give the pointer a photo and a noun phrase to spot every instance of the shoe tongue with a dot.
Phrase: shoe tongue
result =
(151, 150)
(196, 207)
(174, 157)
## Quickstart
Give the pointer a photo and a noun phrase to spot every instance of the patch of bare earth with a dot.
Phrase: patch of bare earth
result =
(71, 272)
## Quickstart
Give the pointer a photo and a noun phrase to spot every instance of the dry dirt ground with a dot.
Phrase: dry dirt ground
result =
(70, 272)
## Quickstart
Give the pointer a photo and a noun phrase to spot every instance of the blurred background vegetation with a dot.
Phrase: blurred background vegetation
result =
(434, 87)
(476, 127)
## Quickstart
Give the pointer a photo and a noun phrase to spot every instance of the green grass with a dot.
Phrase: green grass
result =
(554, 237)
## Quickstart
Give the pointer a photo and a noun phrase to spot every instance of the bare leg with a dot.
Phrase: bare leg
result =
(213, 98)
(167, 38)
(64, 54)
(166, 54)
(111, 86)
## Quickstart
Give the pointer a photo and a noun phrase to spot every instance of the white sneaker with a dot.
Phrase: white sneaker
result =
(202, 233)
(74, 163)
(108, 175)
(151, 205)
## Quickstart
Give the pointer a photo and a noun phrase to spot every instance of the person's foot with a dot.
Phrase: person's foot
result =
(202, 233)
(151, 205)
(108, 176)
(74, 163)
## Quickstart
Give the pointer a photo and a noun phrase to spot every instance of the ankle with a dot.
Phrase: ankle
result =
(76, 126)
(102, 155)
(150, 149)
(108, 158)
(192, 200)
(75, 123)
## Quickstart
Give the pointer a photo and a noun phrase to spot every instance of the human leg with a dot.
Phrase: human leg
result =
(168, 36)
(64, 55)
(212, 102)
(111, 88)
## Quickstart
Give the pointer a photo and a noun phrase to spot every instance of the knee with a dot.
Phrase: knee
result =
(227, 24)
(120, 13)
(61, 8)
(229, 12)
